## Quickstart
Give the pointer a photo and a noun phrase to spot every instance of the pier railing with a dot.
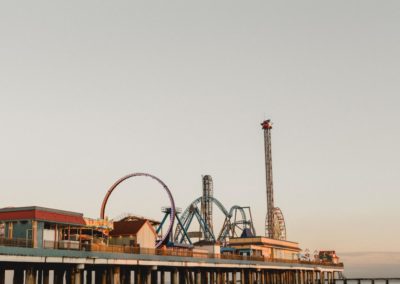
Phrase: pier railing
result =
(183, 253)
(74, 245)
(16, 243)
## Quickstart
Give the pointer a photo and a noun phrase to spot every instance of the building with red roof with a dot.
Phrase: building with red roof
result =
(39, 226)
(133, 233)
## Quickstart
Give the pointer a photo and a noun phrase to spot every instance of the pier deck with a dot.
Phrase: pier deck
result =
(38, 265)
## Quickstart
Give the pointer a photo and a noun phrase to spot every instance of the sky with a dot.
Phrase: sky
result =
(93, 90)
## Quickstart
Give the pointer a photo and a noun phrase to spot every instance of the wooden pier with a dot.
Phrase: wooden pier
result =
(43, 266)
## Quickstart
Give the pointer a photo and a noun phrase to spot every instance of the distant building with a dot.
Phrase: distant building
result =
(41, 227)
(262, 246)
(208, 247)
(328, 256)
(133, 233)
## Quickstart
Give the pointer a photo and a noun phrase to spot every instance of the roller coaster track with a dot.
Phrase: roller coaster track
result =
(192, 210)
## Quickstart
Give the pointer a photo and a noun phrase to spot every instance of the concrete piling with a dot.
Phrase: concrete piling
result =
(18, 276)
(2, 275)
(124, 274)
(174, 277)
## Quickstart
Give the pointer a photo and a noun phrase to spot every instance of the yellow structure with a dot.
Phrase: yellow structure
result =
(266, 247)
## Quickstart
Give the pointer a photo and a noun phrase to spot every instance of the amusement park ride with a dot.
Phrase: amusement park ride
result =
(237, 220)
(233, 225)
(275, 227)
(65, 246)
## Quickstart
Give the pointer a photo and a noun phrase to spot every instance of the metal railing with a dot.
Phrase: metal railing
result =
(24, 243)
(75, 245)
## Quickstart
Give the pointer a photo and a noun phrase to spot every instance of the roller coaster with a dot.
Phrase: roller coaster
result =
(236, 221)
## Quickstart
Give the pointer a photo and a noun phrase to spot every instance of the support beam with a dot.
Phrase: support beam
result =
(322, 277)
(162, 277)
(182, 277)
(46, 276)
(198, 277)
(35, 234)
(204, 277)
(116, 275)
(138, 276)
(69, 276)
(104, 276)
(154, 276)
(266, 277)
(212, 277)
(189, 277)
(76, 276)
(234, 277)
(146, 276)
(219, 277)
(125, 276)
(251, 277)
(18, 277)
(2, 275)
(98, 273)
(89, 276)
(30, 276)
(223, 277)
(174, 277)
(58, 276)
(243, 276)
(40, 276)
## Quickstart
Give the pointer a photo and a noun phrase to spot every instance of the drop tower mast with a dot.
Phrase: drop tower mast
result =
(207, 206)
(274, 222)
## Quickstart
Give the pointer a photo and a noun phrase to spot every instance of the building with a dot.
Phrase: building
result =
(41, 227)
(266, 247)
(139, 232)
(207, 247)
(328, 256)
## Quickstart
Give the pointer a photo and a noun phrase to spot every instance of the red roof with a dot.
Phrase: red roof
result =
(42, 214)
(127, 228)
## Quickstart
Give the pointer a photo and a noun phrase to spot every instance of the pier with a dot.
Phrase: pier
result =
(39, 265)
(40, 245)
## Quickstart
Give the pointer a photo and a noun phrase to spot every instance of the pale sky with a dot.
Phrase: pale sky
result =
(93, 90)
